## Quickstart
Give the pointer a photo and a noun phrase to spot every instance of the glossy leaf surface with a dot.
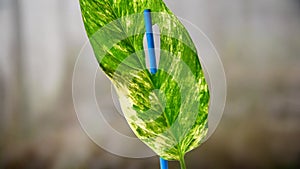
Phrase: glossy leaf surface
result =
(168, 111)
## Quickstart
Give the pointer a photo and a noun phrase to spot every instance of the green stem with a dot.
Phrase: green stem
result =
(182, 162)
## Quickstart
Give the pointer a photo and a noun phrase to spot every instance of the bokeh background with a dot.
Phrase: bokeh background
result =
(259, 44)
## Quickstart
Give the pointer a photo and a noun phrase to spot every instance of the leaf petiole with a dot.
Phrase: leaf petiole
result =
(182, 162)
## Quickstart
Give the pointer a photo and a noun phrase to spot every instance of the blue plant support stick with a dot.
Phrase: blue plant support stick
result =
(152, 59)
(150, 41)
(163, 163)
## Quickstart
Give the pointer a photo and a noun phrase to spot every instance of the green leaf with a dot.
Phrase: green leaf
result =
(167, 111)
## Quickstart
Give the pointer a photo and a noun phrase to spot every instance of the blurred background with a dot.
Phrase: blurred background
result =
(258, 42)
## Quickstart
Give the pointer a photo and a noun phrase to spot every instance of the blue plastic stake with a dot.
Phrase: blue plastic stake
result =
(152, 59)
(150, 41)
(163, 163)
